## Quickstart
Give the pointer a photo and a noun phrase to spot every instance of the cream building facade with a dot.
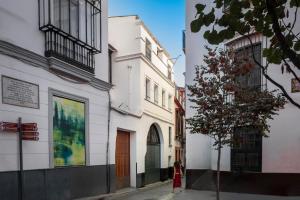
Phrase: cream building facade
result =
(142, 104)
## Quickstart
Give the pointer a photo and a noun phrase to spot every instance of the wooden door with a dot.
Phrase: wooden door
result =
(123, 160)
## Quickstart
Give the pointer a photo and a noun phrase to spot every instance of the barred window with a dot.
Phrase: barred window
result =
(246, 152)
(253, 79)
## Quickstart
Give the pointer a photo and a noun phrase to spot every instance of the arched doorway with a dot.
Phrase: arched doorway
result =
(152, 158)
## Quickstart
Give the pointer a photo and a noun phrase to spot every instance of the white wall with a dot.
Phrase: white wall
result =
(124, 35)
(160, 62)
(198, 153)
(280, 150)
(36, 154)
(19, 26)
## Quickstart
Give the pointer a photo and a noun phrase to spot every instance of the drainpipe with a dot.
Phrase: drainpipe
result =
(107, 145)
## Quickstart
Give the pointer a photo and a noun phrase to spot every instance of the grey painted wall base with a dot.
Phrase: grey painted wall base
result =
(164, 174)
(57, 184)
(140, 180)
(283, 184)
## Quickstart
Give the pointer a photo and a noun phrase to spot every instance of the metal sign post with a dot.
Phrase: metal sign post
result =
(20, 190)
(26, 131)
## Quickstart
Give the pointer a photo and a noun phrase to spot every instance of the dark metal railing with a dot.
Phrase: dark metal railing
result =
(72, 29)
(61, 47)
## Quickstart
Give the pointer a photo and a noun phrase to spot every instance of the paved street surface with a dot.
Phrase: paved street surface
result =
(164, 192)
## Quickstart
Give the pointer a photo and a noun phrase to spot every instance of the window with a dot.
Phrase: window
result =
(169, 102)
(253, 78)
(148, 49)
(147, 85)
(160, 53)
(163, 98)
(170, 136)
(61, 14)
(156, 93)
(169, 72)
(246, 152)
(72, 30)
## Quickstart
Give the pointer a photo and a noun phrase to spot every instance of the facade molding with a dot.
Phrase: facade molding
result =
(143, 57)
(52, 65)
(122, 112)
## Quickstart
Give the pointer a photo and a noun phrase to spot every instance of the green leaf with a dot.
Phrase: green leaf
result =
(219, 3)
(209, 18)
(196, 25)
(200, 7)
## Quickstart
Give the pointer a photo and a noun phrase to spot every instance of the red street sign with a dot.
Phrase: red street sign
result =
(30, 137)
(29, 127)
(8, 127)
(30, 133)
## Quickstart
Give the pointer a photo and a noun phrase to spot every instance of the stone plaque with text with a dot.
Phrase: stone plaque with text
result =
(20, 93)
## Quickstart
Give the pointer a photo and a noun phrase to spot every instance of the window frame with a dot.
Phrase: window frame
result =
(163, 98)
(52, 93)
(170, 136)
(147, 88)
(169, 102)
(156, 93)
(148, 49)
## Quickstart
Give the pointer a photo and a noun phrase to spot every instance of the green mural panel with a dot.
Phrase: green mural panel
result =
(68, 132)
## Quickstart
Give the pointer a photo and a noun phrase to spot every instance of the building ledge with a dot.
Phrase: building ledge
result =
(52, 65)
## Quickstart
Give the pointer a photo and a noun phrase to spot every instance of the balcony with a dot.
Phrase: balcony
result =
(72, 30)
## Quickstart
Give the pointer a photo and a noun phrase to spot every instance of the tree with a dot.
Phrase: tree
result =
(222, 104)
(274, 19)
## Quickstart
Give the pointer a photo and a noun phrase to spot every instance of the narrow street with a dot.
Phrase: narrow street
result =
(164, 192)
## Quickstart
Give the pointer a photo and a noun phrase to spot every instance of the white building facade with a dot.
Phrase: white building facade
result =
(271, 168)
(142, 117)
(54, 72)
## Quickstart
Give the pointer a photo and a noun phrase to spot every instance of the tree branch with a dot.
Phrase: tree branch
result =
(292, 71)
(280, 37)
(268, 77)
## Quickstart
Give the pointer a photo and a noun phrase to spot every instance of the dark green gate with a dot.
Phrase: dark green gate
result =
(152, 158)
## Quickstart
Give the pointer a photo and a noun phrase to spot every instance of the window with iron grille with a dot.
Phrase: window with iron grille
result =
(253, 79)
(72, 29)
(148, 49)
(246, 153)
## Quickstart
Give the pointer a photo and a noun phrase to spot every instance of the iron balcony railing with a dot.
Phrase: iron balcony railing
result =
(72, 30)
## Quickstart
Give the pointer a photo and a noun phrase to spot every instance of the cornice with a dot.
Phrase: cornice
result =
(122, 112)
(52, 65)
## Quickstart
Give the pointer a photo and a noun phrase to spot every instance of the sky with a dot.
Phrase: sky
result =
(164, 18)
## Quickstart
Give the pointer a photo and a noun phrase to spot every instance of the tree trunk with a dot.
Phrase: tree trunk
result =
(218, 172)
